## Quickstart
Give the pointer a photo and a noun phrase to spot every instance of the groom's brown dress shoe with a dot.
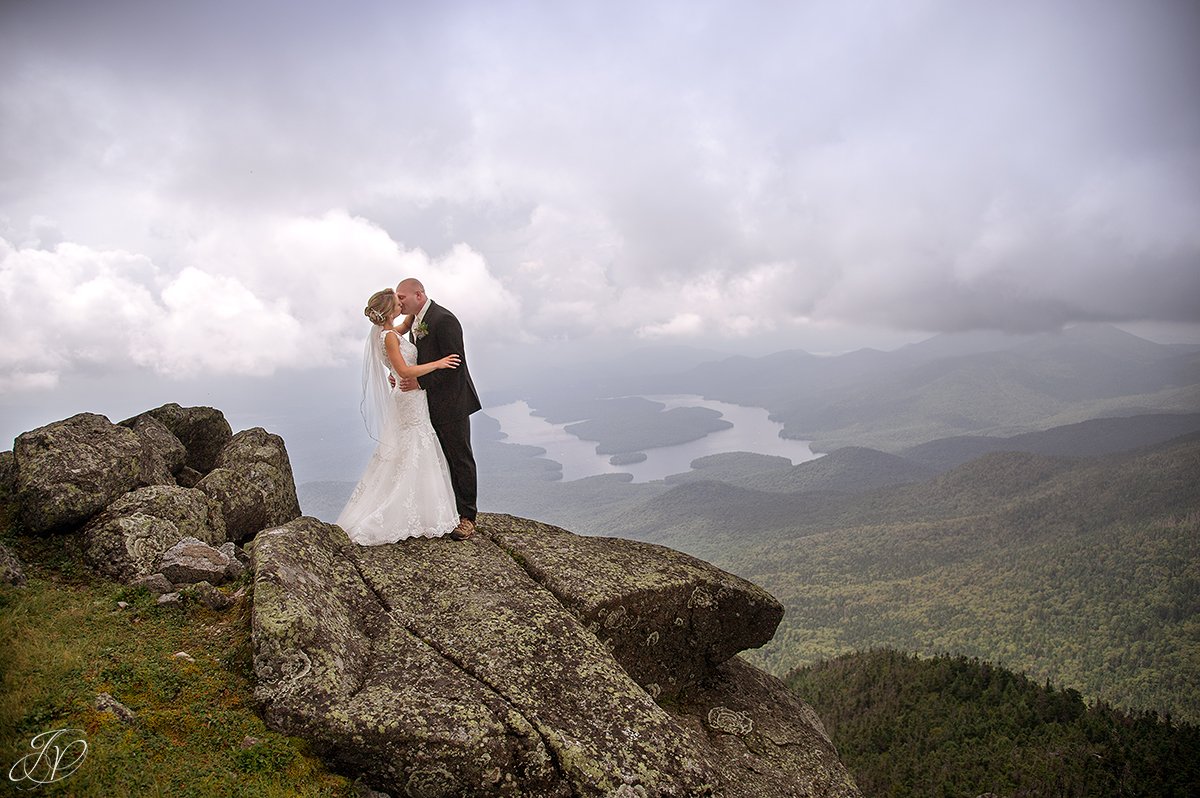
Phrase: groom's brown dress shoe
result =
(464, 530)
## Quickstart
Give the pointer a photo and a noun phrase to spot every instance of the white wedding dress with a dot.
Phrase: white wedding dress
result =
(405, 491)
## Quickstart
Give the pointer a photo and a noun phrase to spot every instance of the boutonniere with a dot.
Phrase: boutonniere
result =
(421, 330)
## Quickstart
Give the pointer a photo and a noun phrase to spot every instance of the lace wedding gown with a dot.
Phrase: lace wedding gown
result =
(405, 491)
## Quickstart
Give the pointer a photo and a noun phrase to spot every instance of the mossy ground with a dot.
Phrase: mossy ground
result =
(64, 639)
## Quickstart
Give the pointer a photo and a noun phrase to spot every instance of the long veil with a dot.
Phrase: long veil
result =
(375, 389)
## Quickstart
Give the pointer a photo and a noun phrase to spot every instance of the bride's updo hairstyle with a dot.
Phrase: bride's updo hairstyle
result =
(380, 305)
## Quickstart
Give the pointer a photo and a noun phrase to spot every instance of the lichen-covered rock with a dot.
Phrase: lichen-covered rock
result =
(203, 431)
(253, 482)
(255, 445)
(106, 703)
(209, 595)
(72, 469)
(602, 729)
(233, 552)
(128, 539)
(440, 668)
(337, 668)
(761, 739)
(8, 477)
(668, 618)
(160, 440)
(237, 560)
(188, 477)
(191, 561)
(11, 572)
(155, 584)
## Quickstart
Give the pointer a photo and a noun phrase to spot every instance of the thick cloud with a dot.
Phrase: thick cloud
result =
(284, 293)
(213, 187)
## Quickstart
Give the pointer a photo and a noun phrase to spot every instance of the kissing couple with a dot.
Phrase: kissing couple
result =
(418, 398)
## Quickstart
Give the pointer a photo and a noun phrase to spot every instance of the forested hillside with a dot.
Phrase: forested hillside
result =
(1086, 572)
(955, 726)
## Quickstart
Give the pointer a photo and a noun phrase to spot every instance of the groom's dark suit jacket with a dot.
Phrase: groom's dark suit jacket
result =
(451, 392)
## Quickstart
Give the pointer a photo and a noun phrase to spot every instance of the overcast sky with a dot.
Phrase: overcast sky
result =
(192, 190)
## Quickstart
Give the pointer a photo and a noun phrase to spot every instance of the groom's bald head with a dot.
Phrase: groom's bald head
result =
(410, 294)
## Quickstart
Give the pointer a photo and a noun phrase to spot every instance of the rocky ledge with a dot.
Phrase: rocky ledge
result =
(528, 661)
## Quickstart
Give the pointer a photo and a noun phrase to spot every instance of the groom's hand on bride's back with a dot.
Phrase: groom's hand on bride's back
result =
(409, 384)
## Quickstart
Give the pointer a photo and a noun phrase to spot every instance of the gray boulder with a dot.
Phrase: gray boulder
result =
(128, 539)
(667, 617)
(203, 431)
(209, 596)
(237, 560)
(155, 584)
(442, 668)
(68, 471)
(191, 561)
(106, 703)
(253, 482)
(233, 552)
(188, 477)
(11, 572)
(8, 477)
(160, 440)
(255, 445)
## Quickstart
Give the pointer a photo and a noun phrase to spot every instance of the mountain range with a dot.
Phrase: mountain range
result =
(954, 385)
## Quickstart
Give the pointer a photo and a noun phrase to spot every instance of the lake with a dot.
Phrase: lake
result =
(752, 431)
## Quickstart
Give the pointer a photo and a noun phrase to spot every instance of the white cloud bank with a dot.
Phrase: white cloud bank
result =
(286, 293)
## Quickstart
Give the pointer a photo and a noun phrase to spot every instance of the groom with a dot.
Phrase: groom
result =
(452, 398)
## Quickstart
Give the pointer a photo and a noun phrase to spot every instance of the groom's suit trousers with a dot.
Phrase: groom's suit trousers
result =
(455, 437)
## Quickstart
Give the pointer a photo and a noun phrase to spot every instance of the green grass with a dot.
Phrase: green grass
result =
(64, 639)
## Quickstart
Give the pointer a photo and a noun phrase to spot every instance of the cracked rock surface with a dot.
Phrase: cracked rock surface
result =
(667, 617)
(433, 667)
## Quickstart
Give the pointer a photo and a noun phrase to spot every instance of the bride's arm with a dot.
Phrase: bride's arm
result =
(391, 344)
(407, 324)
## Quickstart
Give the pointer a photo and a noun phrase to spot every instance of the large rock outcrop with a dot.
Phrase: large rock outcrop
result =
(70, 470)
(252, 480)
(442, 668)
(128, 488)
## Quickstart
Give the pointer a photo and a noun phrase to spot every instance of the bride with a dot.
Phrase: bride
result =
(405, 491)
